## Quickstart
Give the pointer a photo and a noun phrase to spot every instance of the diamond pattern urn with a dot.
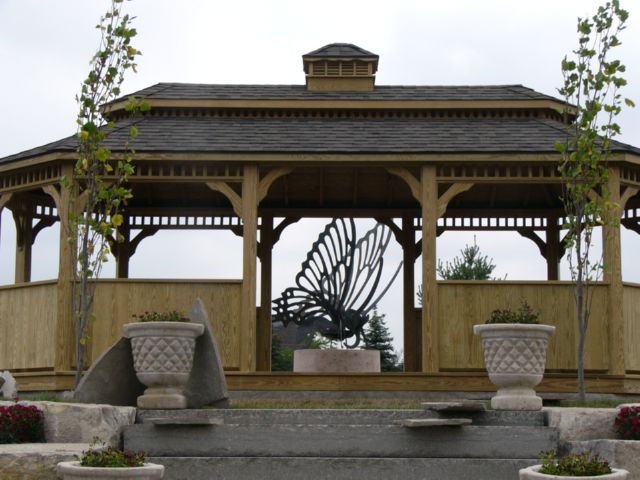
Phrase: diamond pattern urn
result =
(515, 355)
(163, 358)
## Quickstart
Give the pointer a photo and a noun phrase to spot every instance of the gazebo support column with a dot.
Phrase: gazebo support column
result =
(65, 326)
(412, 331)
(24, 241)
(553, 250)
(263, 328)
(429, 201)
(613, 271)
(249, 253)
(121, 250)
(4, 200)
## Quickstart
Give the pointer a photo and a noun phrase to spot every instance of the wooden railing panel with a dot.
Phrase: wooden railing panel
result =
(116, 301)
(27, 322)
(631, 312)
(464, 304)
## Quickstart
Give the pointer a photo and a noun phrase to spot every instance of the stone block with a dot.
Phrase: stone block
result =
(81, 423)
(582, 423)
(112, 378)
(36, 461)
(207, 385)
(9, 387)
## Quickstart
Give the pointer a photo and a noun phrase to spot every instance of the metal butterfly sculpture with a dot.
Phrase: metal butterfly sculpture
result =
(337, 285)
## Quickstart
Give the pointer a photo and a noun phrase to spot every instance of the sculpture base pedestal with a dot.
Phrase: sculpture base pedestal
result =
(336, 361)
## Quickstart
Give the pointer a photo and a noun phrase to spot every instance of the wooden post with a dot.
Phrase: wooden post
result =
(553, 248)
(263, 331)
(22, 215)
(412, 340)
(249, 254)
(4, 200)
(429, 196)
(122, 251)
(65, 332)
(613, 275)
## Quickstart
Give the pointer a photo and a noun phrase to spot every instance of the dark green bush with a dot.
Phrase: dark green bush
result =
(576, 465)
(21, 424)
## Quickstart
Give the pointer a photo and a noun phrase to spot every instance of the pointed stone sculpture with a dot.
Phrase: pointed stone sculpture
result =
(207, 384)
(112, 378)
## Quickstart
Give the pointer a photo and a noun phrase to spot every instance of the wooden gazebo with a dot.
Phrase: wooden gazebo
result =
(254, 159)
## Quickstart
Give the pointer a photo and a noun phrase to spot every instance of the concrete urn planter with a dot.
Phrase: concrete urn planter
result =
(163, 358)
(74, 471)
(532, 473)
(515, 355)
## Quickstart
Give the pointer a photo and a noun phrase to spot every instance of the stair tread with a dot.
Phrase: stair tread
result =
(455, 407)
(434, 422)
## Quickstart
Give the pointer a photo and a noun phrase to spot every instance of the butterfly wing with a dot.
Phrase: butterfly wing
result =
(320, 282)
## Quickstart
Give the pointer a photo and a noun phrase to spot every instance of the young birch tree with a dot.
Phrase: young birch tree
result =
(592, 83)
(99, 187)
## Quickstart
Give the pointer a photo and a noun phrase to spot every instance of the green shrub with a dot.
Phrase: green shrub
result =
(172, 316)
(21, 424)
(111, 457)
(524, 314)
(576, 465)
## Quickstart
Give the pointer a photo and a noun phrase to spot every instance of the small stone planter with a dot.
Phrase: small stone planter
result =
(532, 473)
(163, 358)
(74, 471)
(515, 355)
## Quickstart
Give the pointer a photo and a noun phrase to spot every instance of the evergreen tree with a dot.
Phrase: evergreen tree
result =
(470, 265)
(377, 337)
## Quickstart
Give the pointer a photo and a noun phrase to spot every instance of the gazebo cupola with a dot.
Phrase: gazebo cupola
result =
(340, 67)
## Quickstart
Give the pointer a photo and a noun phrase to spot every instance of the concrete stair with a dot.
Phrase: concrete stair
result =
(442, 444)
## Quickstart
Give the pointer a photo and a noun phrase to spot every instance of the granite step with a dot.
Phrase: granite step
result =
(334, 468)
(316, 440)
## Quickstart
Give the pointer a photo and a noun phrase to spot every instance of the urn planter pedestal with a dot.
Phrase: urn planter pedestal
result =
(163, 358)
(74, 471)
(532, 473)
(515, 355)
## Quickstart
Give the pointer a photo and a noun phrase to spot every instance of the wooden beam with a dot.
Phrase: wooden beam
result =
(249, 211)
(410, 180)
(452, 191)
(142, 234)
(4, 200)
(41, 225)
(613, 275)
(281, 226)
(269, 178)
(429, 202)
(626, 195)
(227, 191)
(533, 236)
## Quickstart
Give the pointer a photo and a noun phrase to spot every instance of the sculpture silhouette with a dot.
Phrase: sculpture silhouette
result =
(337, 284)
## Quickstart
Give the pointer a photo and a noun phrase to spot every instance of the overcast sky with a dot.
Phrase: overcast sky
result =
(46, 45)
